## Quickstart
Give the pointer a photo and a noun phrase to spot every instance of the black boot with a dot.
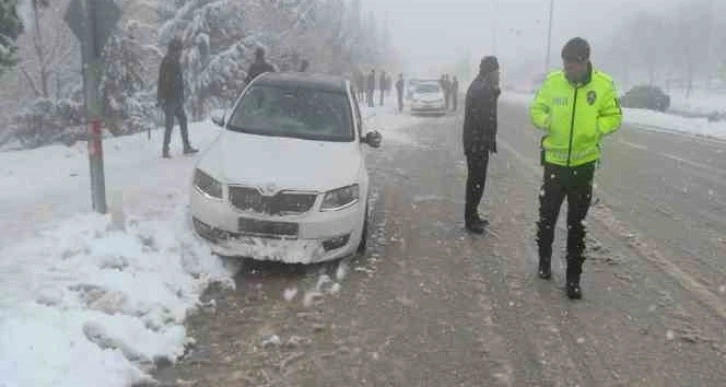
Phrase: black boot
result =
(476, 227)
(545, 268)
(475, 224)
(574, 292)
(574, 269)
(165, 154)
(190, 151)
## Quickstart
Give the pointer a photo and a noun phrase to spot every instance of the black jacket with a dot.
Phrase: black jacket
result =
(480, 119)
(170, 87)
(257, 68)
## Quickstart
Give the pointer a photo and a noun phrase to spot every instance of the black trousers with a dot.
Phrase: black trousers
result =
(172, 110)
(478, 163)
(400, 102)
(575, 184)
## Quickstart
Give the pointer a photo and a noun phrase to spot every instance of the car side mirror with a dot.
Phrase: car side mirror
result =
(373, 139)
(218, 117)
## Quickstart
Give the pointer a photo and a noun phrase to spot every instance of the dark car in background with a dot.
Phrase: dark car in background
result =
(646, 97)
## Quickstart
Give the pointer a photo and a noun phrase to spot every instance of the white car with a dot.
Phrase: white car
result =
(428, 98)
(286, 179)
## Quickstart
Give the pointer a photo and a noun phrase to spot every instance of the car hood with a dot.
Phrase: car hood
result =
(429, 97)
(280, 163)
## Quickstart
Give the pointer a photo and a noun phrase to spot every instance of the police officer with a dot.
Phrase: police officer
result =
(575, 108)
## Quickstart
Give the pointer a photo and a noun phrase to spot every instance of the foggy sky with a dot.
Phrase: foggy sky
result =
(433, 35)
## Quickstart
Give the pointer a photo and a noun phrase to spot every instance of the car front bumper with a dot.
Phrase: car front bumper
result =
(419, 108)
(317, 237)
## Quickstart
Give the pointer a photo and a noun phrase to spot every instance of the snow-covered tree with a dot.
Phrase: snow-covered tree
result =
(128, 100)
(48, 51)
(10, 28)
(217, 49)
(47, 121)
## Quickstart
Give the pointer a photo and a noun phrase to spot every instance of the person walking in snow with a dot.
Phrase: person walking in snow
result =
(480, 137)
(371, 89)
(399, 92)
(575, 108)
(259, 66)
(170, 97)
(382, 85)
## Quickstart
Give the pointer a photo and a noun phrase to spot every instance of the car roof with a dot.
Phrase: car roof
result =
(323, 82)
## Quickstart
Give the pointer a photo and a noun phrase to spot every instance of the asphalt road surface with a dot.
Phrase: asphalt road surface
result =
(430, 305)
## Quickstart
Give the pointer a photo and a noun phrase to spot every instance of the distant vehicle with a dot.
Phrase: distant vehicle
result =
(428, 98)
(286, 179)
(646, 97)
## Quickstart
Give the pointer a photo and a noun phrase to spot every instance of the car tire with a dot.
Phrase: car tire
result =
(364, 235)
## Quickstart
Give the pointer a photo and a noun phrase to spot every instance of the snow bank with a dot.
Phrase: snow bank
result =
(84, 305)
(650, 120)
(700, 102)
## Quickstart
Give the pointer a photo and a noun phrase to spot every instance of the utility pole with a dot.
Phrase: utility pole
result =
(549, 39)
(92, 22)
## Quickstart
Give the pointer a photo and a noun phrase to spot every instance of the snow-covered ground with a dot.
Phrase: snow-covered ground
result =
(87, 299)
(699, 102)
(651, 120)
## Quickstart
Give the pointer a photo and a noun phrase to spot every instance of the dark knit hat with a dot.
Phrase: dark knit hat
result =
(488, 64)
(577, 49)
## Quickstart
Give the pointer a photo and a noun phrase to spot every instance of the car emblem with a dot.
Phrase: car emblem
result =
(268, 190)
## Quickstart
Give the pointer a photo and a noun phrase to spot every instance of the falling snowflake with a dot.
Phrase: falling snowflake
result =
(670, 335)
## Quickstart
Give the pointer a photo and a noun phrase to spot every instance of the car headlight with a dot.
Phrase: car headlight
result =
(341, 198)
(207, 184)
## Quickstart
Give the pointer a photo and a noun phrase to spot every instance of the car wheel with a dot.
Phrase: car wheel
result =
(364, 235)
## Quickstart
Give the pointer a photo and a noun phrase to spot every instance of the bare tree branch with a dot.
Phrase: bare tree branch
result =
(30, 81)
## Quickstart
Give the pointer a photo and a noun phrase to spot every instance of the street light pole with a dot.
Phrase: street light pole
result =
(549, 39)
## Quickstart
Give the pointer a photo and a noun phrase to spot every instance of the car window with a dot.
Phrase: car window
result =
(294, 112)
(427, 88)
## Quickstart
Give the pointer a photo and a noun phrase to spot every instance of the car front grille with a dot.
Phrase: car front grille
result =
(250, 199)
(262, 228)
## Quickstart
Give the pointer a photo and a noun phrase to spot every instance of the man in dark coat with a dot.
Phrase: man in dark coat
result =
(382, 86)
(371, 87)
(480, 137)
(399, 92)
(259, 66)
(170, 97)
(455, 92)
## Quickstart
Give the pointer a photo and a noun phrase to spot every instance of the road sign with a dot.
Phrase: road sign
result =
(104, 16)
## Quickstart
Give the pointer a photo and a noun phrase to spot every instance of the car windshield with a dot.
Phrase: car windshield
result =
(427, 88)
(292, 111)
